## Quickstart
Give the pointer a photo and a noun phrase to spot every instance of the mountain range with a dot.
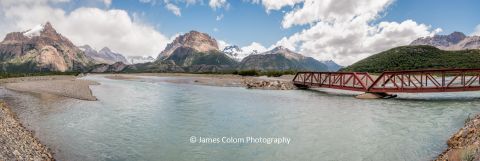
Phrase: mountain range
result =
(105, 55)
(280, 59)
(331, 65)
(43, 49)
(198, 52)
(453, 41)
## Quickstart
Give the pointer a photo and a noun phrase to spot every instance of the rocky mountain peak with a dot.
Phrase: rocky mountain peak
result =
(456, 37)
(281, 49)
(285, 51)
(44, 30)
(86, 47)
(105, 50)
(44, 47)
(234, 52)
(48, 28)
(104, 55)
(201, 42)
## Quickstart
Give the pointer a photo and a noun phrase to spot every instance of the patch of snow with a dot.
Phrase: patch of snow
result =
(238, 53)
(35, 31)
(140, 59)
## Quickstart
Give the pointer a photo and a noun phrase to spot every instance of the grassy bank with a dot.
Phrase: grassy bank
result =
(30, 74)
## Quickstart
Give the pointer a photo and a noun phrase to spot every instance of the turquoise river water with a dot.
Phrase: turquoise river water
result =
(155, 120)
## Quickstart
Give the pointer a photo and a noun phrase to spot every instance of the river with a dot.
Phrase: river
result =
(156, 120)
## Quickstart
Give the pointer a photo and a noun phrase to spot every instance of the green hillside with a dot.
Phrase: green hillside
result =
(416, 57)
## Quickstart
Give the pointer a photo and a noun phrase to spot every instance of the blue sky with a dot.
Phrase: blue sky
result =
(245, 22)
(450, 15)
(241, 24)
(341, 30)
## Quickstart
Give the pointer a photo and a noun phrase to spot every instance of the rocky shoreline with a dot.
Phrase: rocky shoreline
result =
(220, 80)
(16, 142)
(464, 145)
(268, 84)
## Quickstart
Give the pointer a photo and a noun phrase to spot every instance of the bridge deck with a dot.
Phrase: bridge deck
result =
(412, 81)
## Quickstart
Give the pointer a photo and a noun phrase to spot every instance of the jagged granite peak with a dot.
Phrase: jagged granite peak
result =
(281, 59)
(235, 52)
(104, 55)
(41, 48)
(456, 37)
(194, 52)
(87, 48)
(231, 49)
(453, 41)
(201, 42)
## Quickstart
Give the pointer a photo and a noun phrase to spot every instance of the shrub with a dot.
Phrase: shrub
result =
(468, 154)
(248, 73)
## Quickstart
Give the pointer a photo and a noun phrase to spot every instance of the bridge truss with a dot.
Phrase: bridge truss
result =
(412, 81)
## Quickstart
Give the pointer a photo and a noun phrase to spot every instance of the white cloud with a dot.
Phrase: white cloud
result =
(193, 2)
(214, 4)
(219, 17)
(93, 26)
(342, 30)
(254, 46)
(334, 11)
(477, 30)
(215, 29)
(222, 44)
(277, 4)
(173, 8)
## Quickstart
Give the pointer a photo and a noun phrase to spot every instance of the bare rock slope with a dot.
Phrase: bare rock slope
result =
(41, 49)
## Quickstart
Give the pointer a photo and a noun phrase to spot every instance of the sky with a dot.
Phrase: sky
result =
(341, 30)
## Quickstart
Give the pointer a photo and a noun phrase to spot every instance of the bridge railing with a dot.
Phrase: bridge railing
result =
(356, 81)
(416, 81)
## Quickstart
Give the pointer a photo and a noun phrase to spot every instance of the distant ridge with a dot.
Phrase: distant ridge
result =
(105, 55)
(281, 59)
(454, 41)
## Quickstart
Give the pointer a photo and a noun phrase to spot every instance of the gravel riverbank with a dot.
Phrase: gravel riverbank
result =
(16, 142)
(66, 86)
(222, 80)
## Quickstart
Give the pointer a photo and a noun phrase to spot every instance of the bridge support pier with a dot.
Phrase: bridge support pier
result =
(300, 86)
(375, 95)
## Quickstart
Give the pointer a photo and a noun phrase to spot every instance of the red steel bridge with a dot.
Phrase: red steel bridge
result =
(411, 81)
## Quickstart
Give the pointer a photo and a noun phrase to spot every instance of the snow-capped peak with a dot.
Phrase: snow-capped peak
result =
(35, 31)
